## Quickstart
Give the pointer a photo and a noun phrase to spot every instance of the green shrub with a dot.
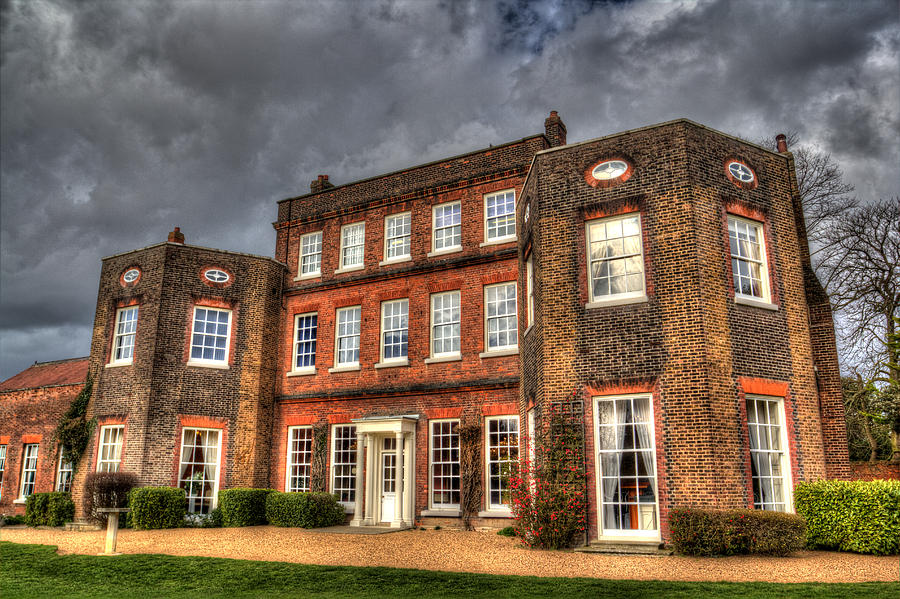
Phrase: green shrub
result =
(13, 520)
(214, 520)
(243, 507)
(509, 531)
(49, 509)
(735, 532)
(306, 510)
(157, 507)
(858, 516)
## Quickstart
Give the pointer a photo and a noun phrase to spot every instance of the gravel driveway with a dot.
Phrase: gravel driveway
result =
(458, 551)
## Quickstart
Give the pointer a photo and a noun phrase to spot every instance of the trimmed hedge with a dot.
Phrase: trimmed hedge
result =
(243, 507)
(157, 507)
(105, 490)
(736, 532)
(306, 510)
(858, 516)
(49, 509)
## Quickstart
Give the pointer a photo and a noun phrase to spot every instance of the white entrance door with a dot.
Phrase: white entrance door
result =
(388, 478)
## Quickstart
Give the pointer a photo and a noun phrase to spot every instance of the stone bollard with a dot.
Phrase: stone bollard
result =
(112, 527)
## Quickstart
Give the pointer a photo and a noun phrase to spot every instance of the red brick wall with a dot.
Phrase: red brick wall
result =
(31, 416)
(874, 471)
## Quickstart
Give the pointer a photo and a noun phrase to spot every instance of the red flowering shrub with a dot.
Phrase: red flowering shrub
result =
(548, 498)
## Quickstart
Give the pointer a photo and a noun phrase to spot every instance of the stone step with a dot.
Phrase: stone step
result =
(651, 549)
(82, 526)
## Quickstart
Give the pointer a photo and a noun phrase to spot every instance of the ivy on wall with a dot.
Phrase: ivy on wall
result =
(470, 486)
(74, 429)
(318, 471)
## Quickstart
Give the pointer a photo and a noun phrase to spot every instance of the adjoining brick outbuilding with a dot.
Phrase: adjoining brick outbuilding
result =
(660, 276)
(31, 404)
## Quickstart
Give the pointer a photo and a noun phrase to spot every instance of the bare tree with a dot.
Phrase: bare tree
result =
(860, 266)
(824, 193)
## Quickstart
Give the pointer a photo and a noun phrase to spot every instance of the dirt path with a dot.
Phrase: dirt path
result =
(458, 551)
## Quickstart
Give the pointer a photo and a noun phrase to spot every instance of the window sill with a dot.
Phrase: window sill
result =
(20, 501)
(499, 353)
(306, 277)
(208, 365)
(641, 299)
(439, 359)
(349, 269)
(443, 251)
(118, 364)
(347, 368)
(528, 330)
(390, 261)
(392, 364)
(495, 514)
(441, 513)
(756, 303)
(302, 372)
(499, 241)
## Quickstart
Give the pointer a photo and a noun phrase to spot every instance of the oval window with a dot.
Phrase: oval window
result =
(609, 170)
(216, 276)
(741, 171)
(131, 275)
(527, 211)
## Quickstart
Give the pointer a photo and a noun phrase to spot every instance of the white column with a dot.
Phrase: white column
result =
(398, 490)
(371, 480)
(358, 507)
(409, 492)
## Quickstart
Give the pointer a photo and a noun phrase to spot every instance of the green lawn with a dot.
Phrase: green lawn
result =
(36, 571)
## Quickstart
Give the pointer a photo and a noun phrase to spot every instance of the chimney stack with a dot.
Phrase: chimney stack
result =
(555, 130)
(781, 142)
(320, 184)
(176, 236)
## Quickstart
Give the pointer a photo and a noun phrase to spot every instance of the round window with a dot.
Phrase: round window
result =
(131, 275)
(741, 171)
(527, 211)
(609, 170)
(216, 276)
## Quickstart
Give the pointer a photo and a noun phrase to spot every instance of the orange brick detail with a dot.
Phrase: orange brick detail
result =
(203, 422)
(450, 285)
(31, 438)
(756, 386)
(501, 409)
(4, 439)
(300, 420)
(499, 277)
(437, 413)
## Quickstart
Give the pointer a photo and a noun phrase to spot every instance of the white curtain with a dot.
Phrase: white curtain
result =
(611, 437)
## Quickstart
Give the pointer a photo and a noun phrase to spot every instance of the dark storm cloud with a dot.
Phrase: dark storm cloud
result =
(122, 119)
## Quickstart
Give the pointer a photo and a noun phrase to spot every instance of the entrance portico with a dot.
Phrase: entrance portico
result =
(385, 471)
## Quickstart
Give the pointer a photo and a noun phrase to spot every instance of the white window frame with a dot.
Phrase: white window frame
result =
(292, 460)
(447, 249)
(124, 336)
(295, 369)
(107, 464)
(29, 466)
(498, 507)
(400, 360)
(625, 297)
(63, 469)
(344, 266)
(317, 243)
(431, 465)
(488, 240)
(765, 299)
(223, 363)
(784, 451)
(509, 348)
(214, 498)
(349, 504)
(404, 257)
(2, 468)
(631, 534)
(448, 355)
(529, 290)
(351, 365)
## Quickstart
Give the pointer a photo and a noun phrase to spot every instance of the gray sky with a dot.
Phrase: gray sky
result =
(123, 119)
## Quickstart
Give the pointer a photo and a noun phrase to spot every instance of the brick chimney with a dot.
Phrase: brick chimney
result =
(176, 236)
(781, 142)
(555, 130)
(320, 184)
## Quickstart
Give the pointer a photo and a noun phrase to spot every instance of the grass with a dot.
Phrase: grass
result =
(36, 571)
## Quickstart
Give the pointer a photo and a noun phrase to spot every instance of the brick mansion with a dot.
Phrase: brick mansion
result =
(660, 276)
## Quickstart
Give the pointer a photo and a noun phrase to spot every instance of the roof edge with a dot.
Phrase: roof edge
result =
(196, 247)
